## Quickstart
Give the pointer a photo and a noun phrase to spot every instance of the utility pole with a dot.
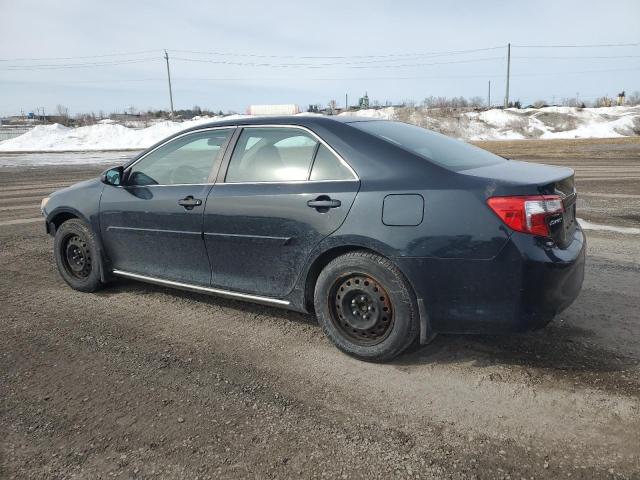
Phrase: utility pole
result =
(489, 96)
(166, 57)
(506, 96)
(346, 102)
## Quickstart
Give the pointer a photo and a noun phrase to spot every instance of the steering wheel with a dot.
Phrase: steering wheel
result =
(186, 174)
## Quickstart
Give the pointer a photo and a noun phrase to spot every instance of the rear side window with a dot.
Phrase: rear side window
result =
(271, 154)
(327, 166)
(440, 149)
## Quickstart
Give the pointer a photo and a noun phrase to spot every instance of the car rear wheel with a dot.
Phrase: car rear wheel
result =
(76, 255)
(366, 307)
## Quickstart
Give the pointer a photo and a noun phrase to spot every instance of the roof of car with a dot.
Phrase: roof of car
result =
(303, 120)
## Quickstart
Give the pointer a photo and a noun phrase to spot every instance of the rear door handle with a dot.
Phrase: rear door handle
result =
(324, 203)
(189, 202)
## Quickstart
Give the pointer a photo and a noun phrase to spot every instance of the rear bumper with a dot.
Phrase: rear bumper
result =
(522, 288)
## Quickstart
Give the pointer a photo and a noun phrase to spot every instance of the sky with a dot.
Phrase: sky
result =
(228, 55)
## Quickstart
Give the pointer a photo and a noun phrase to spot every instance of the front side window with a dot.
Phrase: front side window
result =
(271, 154)
(185, 160)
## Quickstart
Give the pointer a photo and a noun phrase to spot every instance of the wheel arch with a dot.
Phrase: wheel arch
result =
(60, 215)
(323, 259)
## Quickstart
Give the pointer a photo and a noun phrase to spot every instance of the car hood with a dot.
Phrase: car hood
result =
(76, 186)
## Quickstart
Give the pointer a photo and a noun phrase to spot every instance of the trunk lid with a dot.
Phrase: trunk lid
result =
(523, 178)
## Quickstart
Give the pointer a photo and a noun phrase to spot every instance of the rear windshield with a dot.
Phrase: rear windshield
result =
(440, 149)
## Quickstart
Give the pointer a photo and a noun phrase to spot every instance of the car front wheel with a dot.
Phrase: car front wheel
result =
(76, 255)
(366, 306)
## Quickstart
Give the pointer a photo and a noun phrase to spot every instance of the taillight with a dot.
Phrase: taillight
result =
(527, 214)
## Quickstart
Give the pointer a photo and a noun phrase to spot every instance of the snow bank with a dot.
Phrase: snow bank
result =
(495, 124)
(514, 124)
(103, 136)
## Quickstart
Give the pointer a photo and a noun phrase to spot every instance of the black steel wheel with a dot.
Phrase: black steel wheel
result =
(76, 255)
(366, 306)
(361, 309)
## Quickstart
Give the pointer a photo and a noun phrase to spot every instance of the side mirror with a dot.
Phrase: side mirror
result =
(113, 176)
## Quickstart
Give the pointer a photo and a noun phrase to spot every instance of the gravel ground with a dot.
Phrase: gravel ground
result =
(139, 381)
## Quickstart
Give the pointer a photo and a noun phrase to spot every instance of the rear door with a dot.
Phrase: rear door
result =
(281, 191)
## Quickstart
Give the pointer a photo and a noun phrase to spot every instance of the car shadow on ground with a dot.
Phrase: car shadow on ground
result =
(558, 348)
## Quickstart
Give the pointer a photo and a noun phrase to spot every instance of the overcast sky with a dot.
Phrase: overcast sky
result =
(286, 31)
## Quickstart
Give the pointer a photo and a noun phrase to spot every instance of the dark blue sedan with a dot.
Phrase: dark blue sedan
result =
(390, 233)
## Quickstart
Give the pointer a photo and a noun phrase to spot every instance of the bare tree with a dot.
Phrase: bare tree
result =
(476, 102)
(604, 101)
(633, 99)
(62, 115)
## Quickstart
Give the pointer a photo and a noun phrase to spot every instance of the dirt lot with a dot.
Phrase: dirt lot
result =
(139, 381)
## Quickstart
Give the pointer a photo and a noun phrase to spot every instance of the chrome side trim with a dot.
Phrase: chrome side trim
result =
(152, 230)
(198, 288)
(190, 132)
(166, 185)
(234, 127)
(287, 182)
(282, 240)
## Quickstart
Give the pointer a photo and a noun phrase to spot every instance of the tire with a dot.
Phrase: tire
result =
(366, 307)
(76, 255)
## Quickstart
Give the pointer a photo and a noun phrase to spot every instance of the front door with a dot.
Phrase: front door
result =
(152, 224)
(283, 192)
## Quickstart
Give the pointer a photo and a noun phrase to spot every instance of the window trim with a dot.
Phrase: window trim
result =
(222, 172)
(214, 168)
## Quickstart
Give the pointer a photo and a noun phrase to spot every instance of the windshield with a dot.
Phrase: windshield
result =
(440, 149)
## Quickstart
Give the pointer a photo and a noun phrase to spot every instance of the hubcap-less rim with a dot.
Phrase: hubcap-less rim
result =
(361, 309)
(76, 257)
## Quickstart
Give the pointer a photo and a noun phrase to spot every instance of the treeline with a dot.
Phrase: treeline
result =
(130, 114)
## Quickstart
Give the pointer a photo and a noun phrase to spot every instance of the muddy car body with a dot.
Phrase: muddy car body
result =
(389, 232)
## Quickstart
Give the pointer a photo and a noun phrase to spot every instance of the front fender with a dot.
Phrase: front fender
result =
(81, 200)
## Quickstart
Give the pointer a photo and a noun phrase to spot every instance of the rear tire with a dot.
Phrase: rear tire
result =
(366, 307)
(76, 255)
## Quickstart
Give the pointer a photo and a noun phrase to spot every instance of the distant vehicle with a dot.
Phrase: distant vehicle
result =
(389, 232)
(287, 109)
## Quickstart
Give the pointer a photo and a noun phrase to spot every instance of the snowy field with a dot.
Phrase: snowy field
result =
(29, 159)
(520, 124)
(495, 124)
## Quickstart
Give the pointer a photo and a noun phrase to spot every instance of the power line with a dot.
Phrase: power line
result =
(411, 77)
(111, 80)
(322, 65)
(77, 65)
(338, 57)
(342, 79)
(577, 72)
(560, 57)
(593, 45)
(120, 54)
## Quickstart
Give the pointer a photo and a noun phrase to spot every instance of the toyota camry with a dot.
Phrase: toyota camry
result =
(388, 232)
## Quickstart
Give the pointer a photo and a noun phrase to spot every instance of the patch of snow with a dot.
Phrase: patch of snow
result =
(103, 136)
(387, 113)
(608, 228)
(494, 124)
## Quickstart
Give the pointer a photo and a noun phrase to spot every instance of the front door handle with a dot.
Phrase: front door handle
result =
(189, 202)
(323, 203)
